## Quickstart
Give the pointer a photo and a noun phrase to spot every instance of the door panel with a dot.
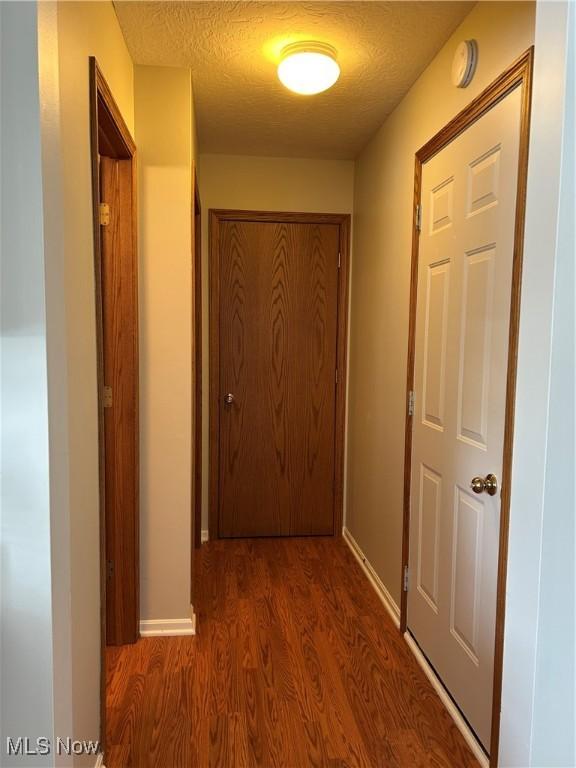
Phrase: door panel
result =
(475, 350)
(466, 571)
(434, 381)
(278, 333)
(429, 506)
(119, 317)
(460, 375)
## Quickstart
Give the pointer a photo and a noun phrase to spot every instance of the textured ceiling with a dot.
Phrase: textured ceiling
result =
(233, 48)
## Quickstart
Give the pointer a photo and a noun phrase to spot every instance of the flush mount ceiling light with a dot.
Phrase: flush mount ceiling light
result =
(308, 67)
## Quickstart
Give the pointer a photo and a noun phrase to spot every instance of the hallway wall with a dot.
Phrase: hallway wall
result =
(539, 682)
(262, 184)
(34, 687)
(165, 137)
(383, 197)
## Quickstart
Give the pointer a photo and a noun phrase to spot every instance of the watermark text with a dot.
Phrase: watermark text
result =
(24, 745)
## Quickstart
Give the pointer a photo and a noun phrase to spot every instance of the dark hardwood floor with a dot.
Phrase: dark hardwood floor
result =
(296, 663)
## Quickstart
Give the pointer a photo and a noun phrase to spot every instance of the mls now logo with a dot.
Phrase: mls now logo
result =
(24, 745)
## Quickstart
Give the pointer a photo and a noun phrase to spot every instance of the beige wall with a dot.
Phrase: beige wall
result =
(165, 137)
(35, 695)
(84, 29)
(381, 277)
(263, 184)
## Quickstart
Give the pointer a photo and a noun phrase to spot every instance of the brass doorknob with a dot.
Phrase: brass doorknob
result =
(229, 398)
(488, 484)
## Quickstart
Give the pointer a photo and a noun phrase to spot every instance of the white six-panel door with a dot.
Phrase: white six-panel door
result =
(461, 353)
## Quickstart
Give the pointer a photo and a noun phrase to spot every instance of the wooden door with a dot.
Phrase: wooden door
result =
(277, 335)
(120, 326)
(460, 380)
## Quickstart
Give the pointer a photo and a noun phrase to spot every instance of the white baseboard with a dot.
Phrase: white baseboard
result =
(453, 710)
(204, 536)
(383, 594)
(168, 627)
(99, 761)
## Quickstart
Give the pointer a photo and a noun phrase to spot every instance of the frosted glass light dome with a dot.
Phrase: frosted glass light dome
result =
(308, 68)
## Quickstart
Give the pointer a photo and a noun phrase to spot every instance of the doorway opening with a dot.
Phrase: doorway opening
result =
(113, 154)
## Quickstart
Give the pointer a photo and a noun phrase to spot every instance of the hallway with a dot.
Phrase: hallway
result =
(296, 664)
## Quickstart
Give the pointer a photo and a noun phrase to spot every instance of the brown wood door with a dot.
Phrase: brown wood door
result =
(278, 323)
(120, 324)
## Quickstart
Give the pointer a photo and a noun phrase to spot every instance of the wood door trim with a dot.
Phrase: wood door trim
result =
(216, 216)
(518, 75)
(105, 117)
(197, 362)
(124, 143)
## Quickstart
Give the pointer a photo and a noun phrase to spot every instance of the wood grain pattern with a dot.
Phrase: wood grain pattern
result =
(197, 365)
(94, 93)
(342, 365)
(409, 388)
(518, 75)
(214, 374)
(112, 130)
(108, 129)
(119, 315)
(217, 220)
(278, 314)
(296, 664)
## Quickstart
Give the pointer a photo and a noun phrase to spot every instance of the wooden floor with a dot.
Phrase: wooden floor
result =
(296, 663)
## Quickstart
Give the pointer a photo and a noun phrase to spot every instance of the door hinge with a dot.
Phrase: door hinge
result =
(339, 259)
(110, 568)
(419, 217)
(406, 578)
(107, 397)
(411, 401)
(336, 375)
(104, 214)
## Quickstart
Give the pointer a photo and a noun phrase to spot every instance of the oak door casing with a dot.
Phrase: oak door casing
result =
(119, 315)
(197, 366)
(278, 334)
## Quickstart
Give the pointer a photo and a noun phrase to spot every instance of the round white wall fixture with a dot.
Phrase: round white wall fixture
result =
(464, 63)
